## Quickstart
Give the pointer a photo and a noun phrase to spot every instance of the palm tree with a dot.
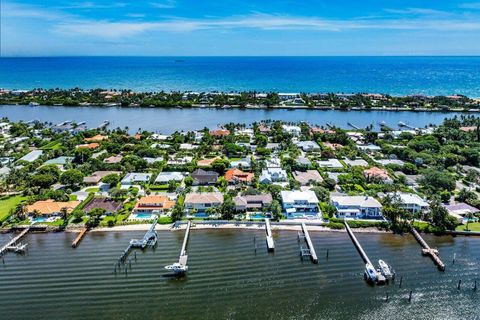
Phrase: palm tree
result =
(469, 217)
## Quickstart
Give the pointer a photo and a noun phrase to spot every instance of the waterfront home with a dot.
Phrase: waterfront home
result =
(219, 133)
(253, 202)
(32, 156)
(203, 177)
(50, 208)
(263, 129)
(308, 146)
(154, 205)
(307, 177)
(91, 146)
(235, 175)
(355, 162)
(460, 210)
(357, 137)
(206, 162)
(203, 201)
(135, 178)
(299, 203)
(97, 176)
(293, 130)
(272, 174)
(314, 130)
(357, 207)
(165, 177)
(109, 205)
(330, 163)
(411, 202)
(113, 159)
(244, 163)
(375, 174)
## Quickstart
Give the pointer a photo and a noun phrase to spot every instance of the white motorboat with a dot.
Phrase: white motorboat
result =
(370, 272)
(177, 268)
(386, 270)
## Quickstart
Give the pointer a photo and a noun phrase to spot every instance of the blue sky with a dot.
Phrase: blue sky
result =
(235, 27)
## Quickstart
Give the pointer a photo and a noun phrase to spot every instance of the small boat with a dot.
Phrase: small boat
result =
(401, 124)
(177, 268)
(370, 272)
(33, 104)
(386, 270)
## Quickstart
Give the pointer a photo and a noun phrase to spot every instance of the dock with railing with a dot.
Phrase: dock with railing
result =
(12, 244)
(268, 230)
(426, 250)
(310, 250)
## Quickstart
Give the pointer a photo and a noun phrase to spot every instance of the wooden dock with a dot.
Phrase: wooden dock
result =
(12, 242)
(426, 250)
(149, 239)
(79, 237)
(268, 230)
(311, 249)
(357, 244)
(183, 252)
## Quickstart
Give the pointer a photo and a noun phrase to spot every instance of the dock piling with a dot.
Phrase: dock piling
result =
(327, 253)
(410, 296)
(386, 298)
(475, 286)
(459, 284)
(401, 280)
(454, 255)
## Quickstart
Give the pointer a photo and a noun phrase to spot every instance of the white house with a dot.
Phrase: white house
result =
(411, 202)
(270, 175)
(165, 177)
(203, 201)
(307, 145)
(293, 130)
(299, 203)
(32, 156)
(357, 207)
(330, 163)
(136, 177)
(244, 163)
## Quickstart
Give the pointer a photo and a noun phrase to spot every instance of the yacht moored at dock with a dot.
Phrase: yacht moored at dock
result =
(386, 270)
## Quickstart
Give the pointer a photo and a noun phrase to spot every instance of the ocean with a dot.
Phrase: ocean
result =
(390, 75)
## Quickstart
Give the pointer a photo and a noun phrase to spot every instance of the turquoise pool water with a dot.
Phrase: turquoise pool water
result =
(39, 219)
(143, 216)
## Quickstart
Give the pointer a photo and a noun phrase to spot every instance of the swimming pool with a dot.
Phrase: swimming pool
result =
(39, 220)
(143, 216)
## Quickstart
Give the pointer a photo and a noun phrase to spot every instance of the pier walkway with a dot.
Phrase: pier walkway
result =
(182, 260)
(11, 244)
(357, 244)
(149, 239)
(426, 250)
(79, 238)
(268, 230)
(311, 250)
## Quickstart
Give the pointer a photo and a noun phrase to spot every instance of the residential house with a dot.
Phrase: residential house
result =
(307, 177)
(357, 207)
(271, 175)
(91, 146)
(330, 163)
(411, 202)
(135, 178)
(109, 205)
(179, 161)
(244, 163)
(51, 208)
(154, 205)
(97, 176)
(308, 146)
(375, 174)
(293, 130)
(203, 201)
(165, 177)
(203, 177)
(96, 138)
(235, 175)
(299, 203)
(302, 161)
(460, 210)
(356, 163)
(253, 202)
(32, 156)
(206, 162)
(385, 162)
(219, 133)
(113, 159)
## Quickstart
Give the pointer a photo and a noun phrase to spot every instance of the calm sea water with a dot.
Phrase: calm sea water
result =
(392, 75)
(227, 280)
(168, 120)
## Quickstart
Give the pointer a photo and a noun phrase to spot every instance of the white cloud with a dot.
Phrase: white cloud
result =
(168, 4)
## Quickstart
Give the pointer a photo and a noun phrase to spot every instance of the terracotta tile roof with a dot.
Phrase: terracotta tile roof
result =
(207, 197)
(97, 137)
(92, 145)
(206, 162)
(155, 202)
(51, 206)
(375, 172)
(239, 175)
(220, 132)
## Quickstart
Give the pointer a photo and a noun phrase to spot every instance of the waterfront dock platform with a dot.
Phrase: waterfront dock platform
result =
(182, 260)
(149, 239)
(357, 244)
(426, 250)
(79, 237)
(268, 230)
(11, 244)
(311, 249)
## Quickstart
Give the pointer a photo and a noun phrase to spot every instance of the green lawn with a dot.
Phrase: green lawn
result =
(54, 145)
(165, 220)
(94, 189)
(7, 204)
(472, 226)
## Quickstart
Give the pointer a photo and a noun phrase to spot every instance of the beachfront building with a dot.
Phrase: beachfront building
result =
(154, 205)
(201, 202)
(299, 203)
(253, 202)
(109, 205)
(51, 208)
(411, 202)
(135, 178)
(357, 207)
